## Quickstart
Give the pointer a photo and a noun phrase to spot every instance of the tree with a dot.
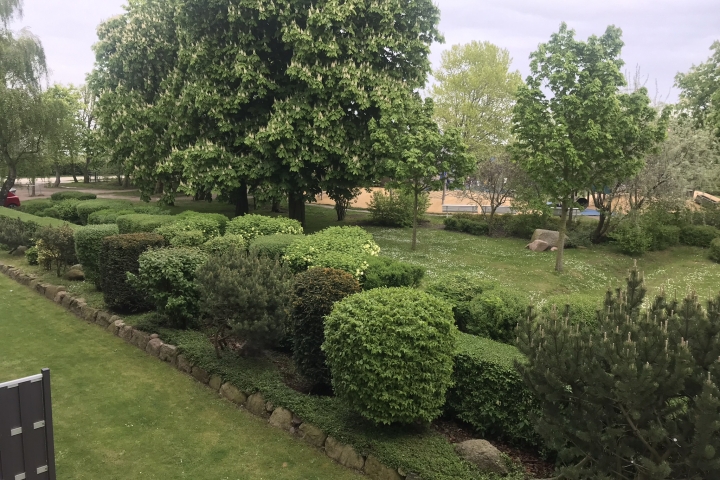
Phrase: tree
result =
(420, 155)
(700, 90)
(88, 130)
(573, 128)
(493, 183)
(63, 137)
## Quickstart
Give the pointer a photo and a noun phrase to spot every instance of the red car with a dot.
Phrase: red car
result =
(12, 201)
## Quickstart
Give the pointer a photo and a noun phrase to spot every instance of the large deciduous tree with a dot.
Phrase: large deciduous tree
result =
(574, 129)
(700, 90)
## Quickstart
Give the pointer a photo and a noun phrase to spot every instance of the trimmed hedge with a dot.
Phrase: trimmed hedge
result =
(467, 223)
(88, 245)
(107, 216)
(217, 218)
(36, 207)
(139, 223)
(493, 314)
(698, 235)
(251, 226)
(119, 256)
(220, 245)
(489, 392)
(715, 250)
(72, 195)
(178, 231)
(272, 246)
(65, 210)
(84, 209)
(386, 272)
(26, 217)
(458, 290)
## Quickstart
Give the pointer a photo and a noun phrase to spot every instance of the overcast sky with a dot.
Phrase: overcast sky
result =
(662, 37)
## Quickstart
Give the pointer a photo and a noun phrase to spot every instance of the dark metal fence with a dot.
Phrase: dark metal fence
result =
(27, 449)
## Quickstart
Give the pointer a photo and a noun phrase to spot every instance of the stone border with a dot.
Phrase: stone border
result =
(254, 403)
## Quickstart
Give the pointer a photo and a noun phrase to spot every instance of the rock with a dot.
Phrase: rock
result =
(343, 454)
(40, 288)
(482, 454)
(59, 297)
(115, 326)
(140, 339)
(67, 300)
(126, 333)
(537, 246)
(77, 266)
(183, 364)
(52, 290)
(281, 418)
(168, 353)
(553, 249)
(269, 407)
(88, 313)
(153, 347)
(215, 382)
(74, 275)
(312, 434)
(233, 394)
(103, 318)
(551, 237)
(377, 471)
(20, 251)
(76, 306)
(154, 335)
(200, 375)
(256, 404)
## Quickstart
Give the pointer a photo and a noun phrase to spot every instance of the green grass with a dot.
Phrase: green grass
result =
(121, 414)
(101, 185)
(26, 217)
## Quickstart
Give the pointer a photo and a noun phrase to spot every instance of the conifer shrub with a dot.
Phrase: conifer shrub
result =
(72, 195)
(715, 250)
(315, 293)
(88, 247)
(119, 256)
(272, 246)
(141, 223)
(56, 247)
(459, 290)
(390, 354)
(167, 277)
(251, 226)
(494, 314)
(104, 217)
(698, 235)
(244, 298)
(85, 209)
(395, 209)
(386, 272)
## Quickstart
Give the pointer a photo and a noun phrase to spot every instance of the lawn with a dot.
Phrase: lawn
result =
(121, 414)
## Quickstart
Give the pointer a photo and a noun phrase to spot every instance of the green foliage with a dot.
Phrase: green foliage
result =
(167, 277)
(245, 298)
(220, 245)
(524, 225)
(272, 246)
(391, 208)
(631, 397)
(580, 234)
(35, 207)
(85, 209)
(88, 247)
(72, 195)
(631, 238)
(663, 236)
(494, 314)
(66, 210)
(31, 255)
(139, 223)
(316, 292)
(698, 235)
(17, 231)
(390, 354)
(459, 290)
(386, 272)
(489, 393)
(58, 247)
(190, 230)
(155, 210)
(251, 226)
(103, 217)
(467, 223)
(714, 250)
(345, 247)
(700, 90)
(119, 256)
(583, 308)
(205, 220)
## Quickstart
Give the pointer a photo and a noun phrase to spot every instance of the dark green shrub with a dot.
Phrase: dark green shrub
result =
(220, 245)
(67, 210)
(524, 225)
(390, 352)
(244, 298)
(698, 235)
(72, 195)
(56, 245)
(167, 277)
(580, 234)
(120, 255)
(104, 217)
(316, 291)
(88, 246)
(85, 209)
(631, 239)
(15, 232)
(31, 255)
(467, 223)
(489, 393)
(251, 226)
(272, 246)
(386, 272)
(583, 307)
(494, 314)
(394, 209)
(139, 223)
(177, 233)
(459, 290)
(153, 210)
(214, 218)
(663, 236)
(51, 212)
(714, 250)
(34, 207)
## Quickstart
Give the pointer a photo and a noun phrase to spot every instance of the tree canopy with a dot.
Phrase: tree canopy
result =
(700, 90)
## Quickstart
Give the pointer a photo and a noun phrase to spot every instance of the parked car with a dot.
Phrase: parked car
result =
(12, 201)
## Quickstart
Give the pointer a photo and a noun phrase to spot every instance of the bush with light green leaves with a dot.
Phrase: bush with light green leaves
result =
(220, 245)
(251, 226)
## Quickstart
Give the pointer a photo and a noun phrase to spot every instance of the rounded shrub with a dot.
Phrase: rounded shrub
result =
(106, 216)
(177, 232)
(220, 245)
(583, 308)
(698, 235)
(151, 210)
(251, 226)
(467, 223)
(167, 276)
(31, 255)
(51, 212)
(494, 313)
(36, 207)
(458, 290)
(390, 353)
(632, 239)
(67, 210)
(395, 209)
(212, 218)
(56, 245)
(119, 256)
(72, 195)
(88, 246)
(272, 246)
(139, 223)
(85, 209)
(714, 250)
(386, 272)
(315, 293)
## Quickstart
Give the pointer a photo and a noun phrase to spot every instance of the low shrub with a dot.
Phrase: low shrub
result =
(663, 237)
(220, 245)
(315, 293)
(153, 210)
(583, 308)
(72, 195)
(244, 298)
(467, 223)
(390, 353)
(580, 234)
(15, 232)
(459, 290)
(31, 255)
(167, 277)
(494, 314)
(386, 272)
(51, 212)
(524, 225)
(213, 218)
(56, 245)
(104, 217)
(189, 231)
(272, 246)
(714, 250)
(120, 255)
(35, 207)
(141, 223)
(395, 209)
(489, 393)
(251, 226)
(85, 209)
(631, 239)
(67, 210)
(698, 235)
(88, 246)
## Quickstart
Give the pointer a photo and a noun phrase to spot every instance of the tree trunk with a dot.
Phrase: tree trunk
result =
(415, 209)
(8, 184)
(57, 176)
(242, 207)
(275, 206)
(561, 239)
(126, 181)
(296, 206)
(86, 178)
(341, 208)
(119, 180)
(159, 188)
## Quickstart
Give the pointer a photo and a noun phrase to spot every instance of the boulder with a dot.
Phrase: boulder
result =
(88, 313)
(377, 471)
(551, 237)
(312, 434)
(74, 275)
(537, 246)
(140, 339)
(343, 454)
(183, 364)
(215, 382)
(52, 290)
(115, 326)
(233, 394)
(20, 251)
(126, 333)
(482, 454)
(103, 318)
(168, 353)
(256, 404)
(281, 418)
(77, 266)
(153, 347)
(201, 375)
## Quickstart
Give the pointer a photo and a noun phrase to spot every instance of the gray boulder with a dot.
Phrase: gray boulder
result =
(74, 275)
(537, 246)
(551, 237)
(20, 251)
(482, 454)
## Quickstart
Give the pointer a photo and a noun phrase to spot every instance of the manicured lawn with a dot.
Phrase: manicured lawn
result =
(120, 414)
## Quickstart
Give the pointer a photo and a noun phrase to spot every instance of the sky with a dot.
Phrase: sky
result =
(662, 37)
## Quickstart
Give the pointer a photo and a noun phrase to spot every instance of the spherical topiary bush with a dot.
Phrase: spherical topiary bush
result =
(390, 353)
(315, 293)
(715, 250)
(220, 245)
(272, 246)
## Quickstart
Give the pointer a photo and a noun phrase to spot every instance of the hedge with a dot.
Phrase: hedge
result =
(84, 209)
(467, 223)
(35, 207)
(715, 250)
(70, 194)
(119, 255)
(273, 246)
(218, 218)
(26, 217)
(698, 235)
(489, 392)
(88, 245)
(107, 216)
(138, 222)
(251, 226)
(386, 272)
